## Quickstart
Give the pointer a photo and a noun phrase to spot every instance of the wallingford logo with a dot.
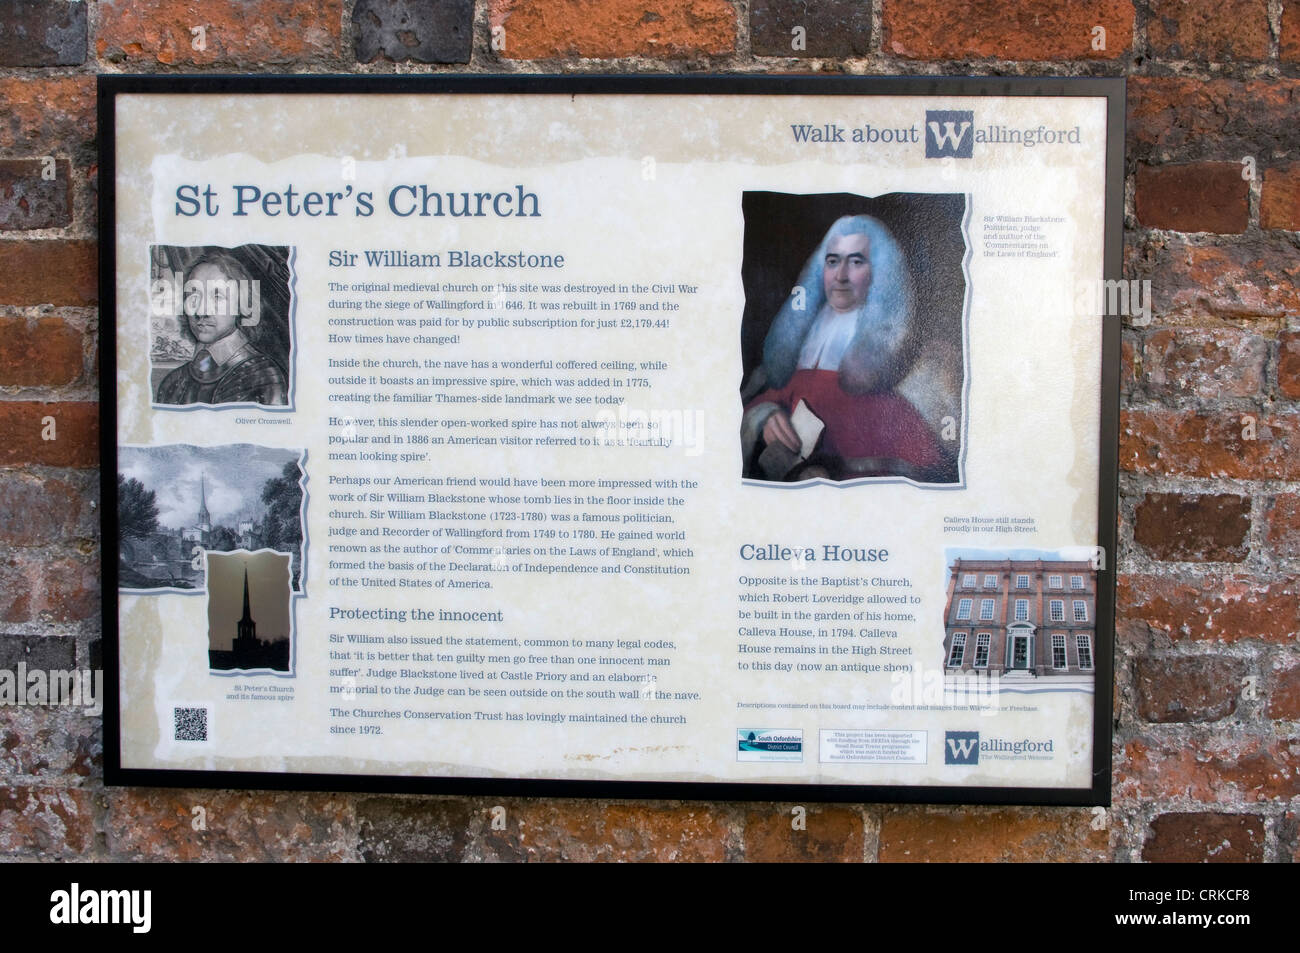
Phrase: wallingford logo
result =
(949, 132)
(961, 747)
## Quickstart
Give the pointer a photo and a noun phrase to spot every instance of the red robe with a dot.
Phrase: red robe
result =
(881, 426)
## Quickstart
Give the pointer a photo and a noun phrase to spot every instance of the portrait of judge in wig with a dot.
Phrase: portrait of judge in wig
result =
(857, 379)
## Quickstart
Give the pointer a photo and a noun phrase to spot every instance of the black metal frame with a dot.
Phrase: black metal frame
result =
(1111, 89)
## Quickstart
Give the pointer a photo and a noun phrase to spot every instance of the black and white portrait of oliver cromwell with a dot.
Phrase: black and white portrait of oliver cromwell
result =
(220, 326)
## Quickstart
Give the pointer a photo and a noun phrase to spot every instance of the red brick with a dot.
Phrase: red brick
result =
(1206, 528)
(1006, 29)
(538, 29)
(69, 591)
(1193, 117)
(1283, 691)
(1289, 42)
(76, 434)
(238, 32)
(243, 826)
(1288, 364)
(34, 589)
(30, 200)
(1205, 838)
(38, 511)
(1283, 532)
(46, 352)
(1187, 689)
(48, 272)
(1196, 197)
(1204, 362)
(940, 835)
(1257, 280)
(1217, 30)
(831, 835)
(1236, 445)
(587, 831)
(1279, 201)
(1130, 362)
(1211, 608)
(46, 114)
(1209, 771)
(39, 822)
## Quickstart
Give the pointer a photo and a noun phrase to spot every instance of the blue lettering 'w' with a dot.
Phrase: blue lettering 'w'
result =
(951, 136)
(961, 747)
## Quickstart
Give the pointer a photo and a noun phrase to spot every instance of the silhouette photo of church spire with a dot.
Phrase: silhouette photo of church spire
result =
(246, 644)
(247, 651)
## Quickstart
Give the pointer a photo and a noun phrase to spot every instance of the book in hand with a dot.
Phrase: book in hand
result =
(777, 460)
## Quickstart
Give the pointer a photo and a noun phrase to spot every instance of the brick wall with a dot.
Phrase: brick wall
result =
(1207, 733)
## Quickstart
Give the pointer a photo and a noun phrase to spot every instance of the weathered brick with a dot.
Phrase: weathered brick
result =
(1207, 528)
(957, 835)
(1190, 117)
(832, 28)
(37, 651)
(30, 200)
(46, 114)
(426, 31)
(1289, 40)
(1204, 362)
(50, 745)
(243, 33)
(1214, 30)
(586, 831)
(46, 352)
(1237, 445)
(1288, 835)
(155, 825)
(1239, 282)
(48, 272)
(1210, 771)
(1283, 690)
(41, 33)
(40, 822)
(831, 834)
(414, 830)
(1194, 197)
(1204, 837)
(1187, 689)
(1283, 532)
(1279, 200)
(537, 29)
(69, 591)
(1130, 361)
(44, 590)
(75, 432)
(1288, 364)
(1014, 30)
(1211, 607)
(43, 511)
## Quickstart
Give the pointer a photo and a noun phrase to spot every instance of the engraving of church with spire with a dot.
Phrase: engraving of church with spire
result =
(201, 531)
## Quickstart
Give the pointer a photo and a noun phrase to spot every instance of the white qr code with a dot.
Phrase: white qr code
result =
(191, 724)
